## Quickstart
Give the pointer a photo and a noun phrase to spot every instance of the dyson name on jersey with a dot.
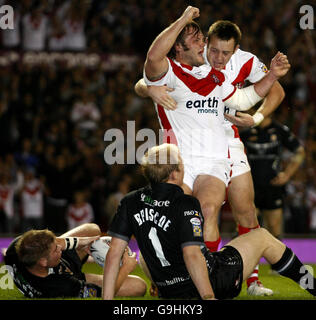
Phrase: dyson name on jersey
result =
(209, 105)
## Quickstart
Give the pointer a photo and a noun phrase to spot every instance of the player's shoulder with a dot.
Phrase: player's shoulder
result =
(189, 207)
(188, 201)
(241, 55)
(133, 195)
(240, 58)
(133, 198)
(246, 66)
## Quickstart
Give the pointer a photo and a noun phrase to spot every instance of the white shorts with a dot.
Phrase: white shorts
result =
(239, 160)
(220, 169)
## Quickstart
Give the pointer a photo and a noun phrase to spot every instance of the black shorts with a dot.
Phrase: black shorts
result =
(269, 197)
(225, 272)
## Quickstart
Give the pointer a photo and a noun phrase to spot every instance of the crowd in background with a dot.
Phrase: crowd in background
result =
(53, 117)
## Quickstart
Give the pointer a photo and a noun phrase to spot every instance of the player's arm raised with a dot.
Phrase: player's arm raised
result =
(244, 99)
(156, 64)
(272, 100)
(196, 265)
(279, 67)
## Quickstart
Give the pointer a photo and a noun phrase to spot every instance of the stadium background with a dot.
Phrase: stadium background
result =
(63, 56)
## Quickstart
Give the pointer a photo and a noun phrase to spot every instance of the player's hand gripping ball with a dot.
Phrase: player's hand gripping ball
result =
(99, 249)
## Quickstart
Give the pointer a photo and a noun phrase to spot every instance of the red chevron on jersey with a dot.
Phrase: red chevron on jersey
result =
(168, 134)
(243, 73)
(243, 66)
(202, 86)
(196, 125)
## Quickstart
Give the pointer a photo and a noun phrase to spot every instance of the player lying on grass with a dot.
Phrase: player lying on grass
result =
(170, 238)
(46, 266)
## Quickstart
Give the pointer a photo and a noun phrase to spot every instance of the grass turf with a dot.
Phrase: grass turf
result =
(284, 289)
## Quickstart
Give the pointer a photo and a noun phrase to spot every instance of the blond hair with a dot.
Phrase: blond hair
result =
(159, 161)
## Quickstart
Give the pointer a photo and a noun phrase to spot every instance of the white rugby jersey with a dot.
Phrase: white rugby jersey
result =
(75, 38)
(34, 32)
(6, 199)
(32, 199)
(196, 126)
(242, 66)
(79, 215)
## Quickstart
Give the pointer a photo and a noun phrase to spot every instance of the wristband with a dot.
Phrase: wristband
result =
(257, 118)
(71, 243)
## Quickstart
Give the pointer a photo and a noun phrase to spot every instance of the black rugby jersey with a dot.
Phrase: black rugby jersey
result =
(64, 280)
(163, 220)
(264, 150)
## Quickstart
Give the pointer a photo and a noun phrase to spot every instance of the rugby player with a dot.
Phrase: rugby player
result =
(168, 227)
(265, 147)
(46, 266)
(205, 175)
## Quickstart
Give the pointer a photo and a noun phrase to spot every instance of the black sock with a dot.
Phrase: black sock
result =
(290, 266)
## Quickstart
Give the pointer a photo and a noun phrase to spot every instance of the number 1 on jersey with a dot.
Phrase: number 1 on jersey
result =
(157, 246)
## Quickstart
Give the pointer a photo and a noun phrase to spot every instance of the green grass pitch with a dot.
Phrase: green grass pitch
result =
(284, 289)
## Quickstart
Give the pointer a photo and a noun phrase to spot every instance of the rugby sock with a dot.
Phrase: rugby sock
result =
(213, 245)
(291, 267)
(254, 275)
(243, 230)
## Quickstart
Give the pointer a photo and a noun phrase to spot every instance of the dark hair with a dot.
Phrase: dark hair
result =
(191, 27)
(225, 30)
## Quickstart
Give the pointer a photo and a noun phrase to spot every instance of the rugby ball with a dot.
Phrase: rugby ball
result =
(99, 249)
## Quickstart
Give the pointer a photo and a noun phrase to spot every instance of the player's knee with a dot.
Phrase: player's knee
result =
(266, 238)
(92, 229)
(262, 233)
(244, 209)
(138, 286)
(245, 214)
(209, 210)
(142, 287)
